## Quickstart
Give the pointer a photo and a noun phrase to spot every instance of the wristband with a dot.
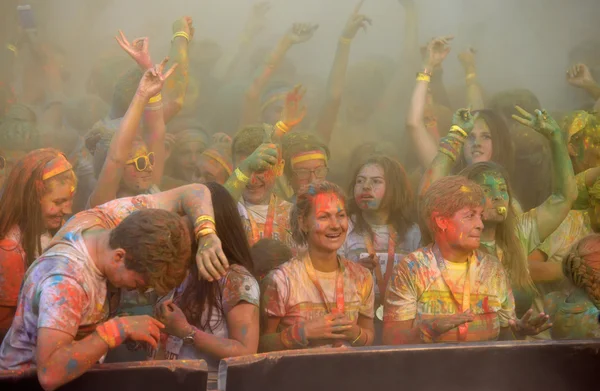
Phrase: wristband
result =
(155, 99)
(112, 332)
(241, 176)
(471, 76)
(181, 34)
(206, 231)
(12, 48)
(282, 126)
(202, 218)
(458, 129)
(294, 337)
(359, 335)
(345, 41)
(423, 77)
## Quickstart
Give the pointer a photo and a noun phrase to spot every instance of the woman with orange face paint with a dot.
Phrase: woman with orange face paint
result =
(38, 195)
(382, 229)
(318, 298)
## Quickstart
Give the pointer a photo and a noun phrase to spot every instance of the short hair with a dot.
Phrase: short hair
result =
(156, 245)
(294, 143)
(267, 254)
(580, 270)
(304, 206)
(125, 89)
(246, 140)
(447, 196)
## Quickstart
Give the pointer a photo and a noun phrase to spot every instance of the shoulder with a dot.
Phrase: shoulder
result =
(356, 269)
(240, 278)
(9, 247)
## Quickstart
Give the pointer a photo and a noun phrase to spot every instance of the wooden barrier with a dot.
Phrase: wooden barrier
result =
(501, 366)
(185, 375)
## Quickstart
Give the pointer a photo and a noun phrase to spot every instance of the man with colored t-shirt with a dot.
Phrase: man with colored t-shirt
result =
(63, 323)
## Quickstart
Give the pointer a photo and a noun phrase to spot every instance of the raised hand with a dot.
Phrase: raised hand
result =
(580, 76)
(184, 24)
(210, 259)
(467, 60)
(356, 22)
(264, 157)
(301, 32)
(294, 110)
(257, 20)
(331, 326)
(540, 121)
(436, 52)
(464, 119)
(138, 50)
(153, 80)
(173, 318)
(442, 324)
(530, 326)
(142, 328)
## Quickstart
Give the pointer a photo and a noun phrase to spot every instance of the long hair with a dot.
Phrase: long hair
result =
(23, 191)
(200, 295)
(515, 257)
(398, 197)
(502, 146)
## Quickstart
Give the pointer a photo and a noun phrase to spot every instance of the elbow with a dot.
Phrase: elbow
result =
(572, 192)
(48, 379)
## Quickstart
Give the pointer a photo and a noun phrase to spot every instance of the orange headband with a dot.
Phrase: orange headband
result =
(56, 166)
(214, 154)
(310, 155)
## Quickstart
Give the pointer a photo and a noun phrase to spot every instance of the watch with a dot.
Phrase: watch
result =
(189, 339)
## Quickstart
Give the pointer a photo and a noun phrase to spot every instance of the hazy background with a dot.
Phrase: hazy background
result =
(521, 43)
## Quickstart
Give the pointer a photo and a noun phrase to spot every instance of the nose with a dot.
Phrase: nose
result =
(367, 185)
(67, 209)
(254, 179)
(478, 223)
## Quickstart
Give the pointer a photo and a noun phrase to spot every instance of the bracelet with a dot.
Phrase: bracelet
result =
(423, 77)
(456, 128)
(294, 337)
(181, 34)
(155, 99)
(345, 41)
(241, 176)
(470, 76)
(359, 335)
(206, 231)
(12, 48)
(204, 218)
(111, 332)
(282, 126)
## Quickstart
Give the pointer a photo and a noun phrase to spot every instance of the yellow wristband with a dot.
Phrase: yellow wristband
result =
(345, 41)
(181, 34)
(423, 77)
(204, 218)
(282, 126)
(12, 48)
(204, 232)
(458, 129)
(471, 76)
(241, 176)
(155, 99)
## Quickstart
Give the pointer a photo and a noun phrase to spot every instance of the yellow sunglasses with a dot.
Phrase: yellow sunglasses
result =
(142, 162)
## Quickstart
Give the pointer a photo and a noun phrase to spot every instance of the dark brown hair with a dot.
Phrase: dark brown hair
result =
(398, 197)
(267, 254)
(23, 191)
(156, 245)
(200, 295)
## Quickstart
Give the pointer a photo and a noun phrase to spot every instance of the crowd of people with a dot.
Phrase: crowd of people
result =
(168, 214)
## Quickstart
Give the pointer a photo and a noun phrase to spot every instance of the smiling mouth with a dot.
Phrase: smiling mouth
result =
(477, 153)
(333, 236)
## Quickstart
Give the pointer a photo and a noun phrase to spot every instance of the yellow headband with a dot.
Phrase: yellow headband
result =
(215, 155)
(56, 166)
(310, 155)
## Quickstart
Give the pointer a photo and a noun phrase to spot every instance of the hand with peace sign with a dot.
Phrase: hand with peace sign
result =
(138, 50)
(540, 121)
(464, 119)
(152, 81)
(356, 22)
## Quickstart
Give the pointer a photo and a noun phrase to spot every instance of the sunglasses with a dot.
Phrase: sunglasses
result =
(304, 174)
(142, 162)
(2, 162)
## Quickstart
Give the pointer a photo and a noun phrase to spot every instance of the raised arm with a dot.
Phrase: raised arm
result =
(474, 93)
(426, 145)
(176, 86)
(299, 33)
(579, 76)
(120, 147)
(564, 189)
(337, 76)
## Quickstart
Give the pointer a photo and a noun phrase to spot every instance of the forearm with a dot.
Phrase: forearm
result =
(236, 184)
(545, 271)
(154, 122)
(271, 343)
(335, 88)
(251, 107)
(71, 361)
(474, 93)
(220, 347)
(401, 336)
(424, 143)
(450, 149)
(593, 90)
(563, 177)
(176, 84)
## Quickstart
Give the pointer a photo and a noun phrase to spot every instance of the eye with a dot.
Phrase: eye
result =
(378, 181)
(359, 181)
(487, 136)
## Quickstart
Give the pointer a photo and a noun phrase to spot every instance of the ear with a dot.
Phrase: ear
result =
(441, 222)
(119, 256)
